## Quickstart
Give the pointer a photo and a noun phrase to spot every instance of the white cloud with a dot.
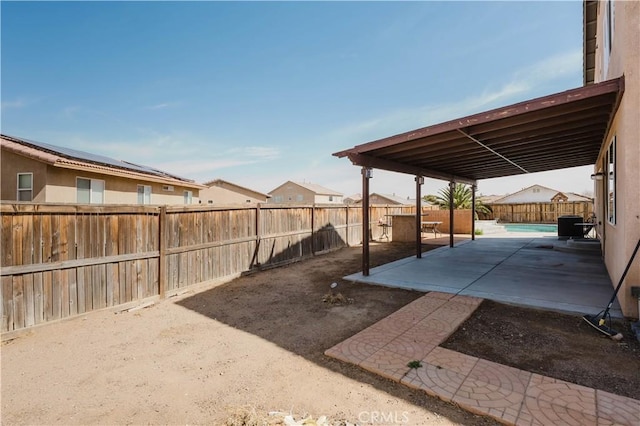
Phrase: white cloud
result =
(163, 105)
(257, 152)
(209, 162)
(18, 103)
(519, 86)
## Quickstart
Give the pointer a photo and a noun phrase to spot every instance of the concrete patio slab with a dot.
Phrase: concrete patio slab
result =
(526, 271)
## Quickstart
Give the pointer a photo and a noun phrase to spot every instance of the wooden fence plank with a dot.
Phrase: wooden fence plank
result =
(18, 302)
(73, 292)
(55, 238)
(29, 301)
(80, 288)
(7, 303)
(38, 296)
(64, 293)
(111, 283)
(88, 288)
(6, 257)
(122, 282)
(56, 295)
(18, 240)
(28, 243)
(47, 295)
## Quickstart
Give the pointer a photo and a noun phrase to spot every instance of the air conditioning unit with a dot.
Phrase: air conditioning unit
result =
(168, 188)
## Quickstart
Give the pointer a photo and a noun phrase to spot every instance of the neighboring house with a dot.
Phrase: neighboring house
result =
(43, 173)
(376, 198)
(489, 199)
(304, 193)
(539, 194)
(222, 192)
(353, 199)
(612, 49)
(538, 204)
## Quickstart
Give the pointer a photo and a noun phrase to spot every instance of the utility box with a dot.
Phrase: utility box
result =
(567, 228)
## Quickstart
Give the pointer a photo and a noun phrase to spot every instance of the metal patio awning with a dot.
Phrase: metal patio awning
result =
(557, 131)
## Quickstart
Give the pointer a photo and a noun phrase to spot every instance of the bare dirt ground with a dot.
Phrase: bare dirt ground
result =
(232, 353)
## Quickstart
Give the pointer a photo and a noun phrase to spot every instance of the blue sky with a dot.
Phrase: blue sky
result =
(259, 93)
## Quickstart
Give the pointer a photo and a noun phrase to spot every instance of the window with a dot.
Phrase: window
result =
(277, 199)
(607, 36)
(299, 197)
(25, 187)
(144, 194)
(330, 197)
(611, 182)
(89, 191)
(188, 197)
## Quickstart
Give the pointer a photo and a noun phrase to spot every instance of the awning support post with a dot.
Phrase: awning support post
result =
(452, 187)
(366, 175)
(473, 212)
(419, 182)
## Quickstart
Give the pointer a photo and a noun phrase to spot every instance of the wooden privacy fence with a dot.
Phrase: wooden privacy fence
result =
(540, 212)
(58, 261)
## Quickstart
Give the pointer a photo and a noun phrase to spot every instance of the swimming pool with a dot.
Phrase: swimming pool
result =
(530, 227)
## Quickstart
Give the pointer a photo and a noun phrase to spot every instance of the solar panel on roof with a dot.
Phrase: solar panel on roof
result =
(96, 159)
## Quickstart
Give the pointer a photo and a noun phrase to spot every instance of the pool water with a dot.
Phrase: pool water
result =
(531, 227)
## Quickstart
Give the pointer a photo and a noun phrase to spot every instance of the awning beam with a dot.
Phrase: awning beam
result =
(392, 166)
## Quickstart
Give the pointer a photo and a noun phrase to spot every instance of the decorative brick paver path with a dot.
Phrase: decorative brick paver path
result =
(510, 395)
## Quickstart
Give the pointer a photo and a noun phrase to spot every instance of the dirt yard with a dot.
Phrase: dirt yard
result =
(237, 351)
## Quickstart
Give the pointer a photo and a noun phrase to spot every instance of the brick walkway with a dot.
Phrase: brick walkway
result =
(510, 395)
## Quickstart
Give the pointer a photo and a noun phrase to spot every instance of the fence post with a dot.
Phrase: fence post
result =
(162, 260)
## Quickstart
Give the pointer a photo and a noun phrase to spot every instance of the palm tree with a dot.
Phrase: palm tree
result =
(461, 199)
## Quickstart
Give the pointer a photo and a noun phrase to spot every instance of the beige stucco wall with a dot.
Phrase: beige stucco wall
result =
(292, 193)
(619, 239)
(12, 164)
(328, 199)
(376, 199)
(62, 188)
(58, 185)
(219, 195)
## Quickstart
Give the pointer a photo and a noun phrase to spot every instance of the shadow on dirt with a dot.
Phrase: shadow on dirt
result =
(285, 306)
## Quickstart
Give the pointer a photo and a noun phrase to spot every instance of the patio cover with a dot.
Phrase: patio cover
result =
(557, 131)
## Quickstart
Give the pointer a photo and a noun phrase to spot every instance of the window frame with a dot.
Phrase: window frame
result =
(607, 35)
(19, 190)
(91, 190)
(187, 197)
(611, 180)
(146, 195)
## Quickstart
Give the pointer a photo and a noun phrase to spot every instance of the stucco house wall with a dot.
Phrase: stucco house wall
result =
(620, 237)
(292, 192)
(538, 194)
(61, 188)
(223, 192)
(12, 164)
